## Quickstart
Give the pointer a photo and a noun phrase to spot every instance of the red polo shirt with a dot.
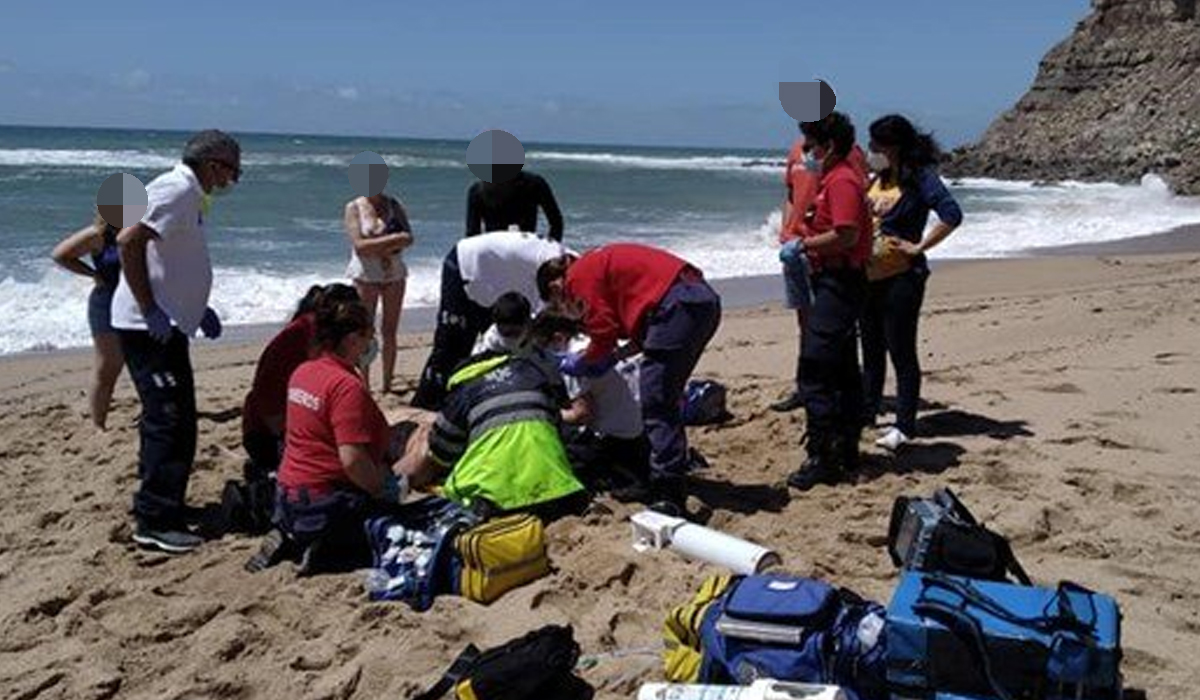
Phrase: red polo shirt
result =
(620, 284)
(803, 186)
(842, 201)
(268, 395)
(328, 405)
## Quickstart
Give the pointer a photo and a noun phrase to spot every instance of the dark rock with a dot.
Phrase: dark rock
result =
(1117, 99)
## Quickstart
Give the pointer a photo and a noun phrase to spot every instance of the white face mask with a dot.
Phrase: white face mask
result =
(877, 161)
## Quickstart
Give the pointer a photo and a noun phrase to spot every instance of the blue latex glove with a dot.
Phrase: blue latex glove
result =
(210, 324)
(158, 324)
(791, 252)
(573, 364)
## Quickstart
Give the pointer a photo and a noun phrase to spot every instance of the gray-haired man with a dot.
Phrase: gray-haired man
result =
(161, 301)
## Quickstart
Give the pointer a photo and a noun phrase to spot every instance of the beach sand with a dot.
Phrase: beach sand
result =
(1061, 401)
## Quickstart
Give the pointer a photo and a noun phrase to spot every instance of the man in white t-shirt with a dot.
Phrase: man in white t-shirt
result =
(161, 301)
(477, 272)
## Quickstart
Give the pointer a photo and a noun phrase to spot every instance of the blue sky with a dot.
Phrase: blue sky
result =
(590, 71)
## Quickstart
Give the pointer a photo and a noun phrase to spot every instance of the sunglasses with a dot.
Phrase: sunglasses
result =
(236, 170)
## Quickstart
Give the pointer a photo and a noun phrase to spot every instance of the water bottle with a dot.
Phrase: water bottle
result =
(762, 689)
(376, 581)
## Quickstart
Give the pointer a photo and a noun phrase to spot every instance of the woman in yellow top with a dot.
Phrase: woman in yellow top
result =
(907, 190)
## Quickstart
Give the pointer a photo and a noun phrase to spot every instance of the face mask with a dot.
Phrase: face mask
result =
(877, 161)
(369, 355)
(811, 164)
(221, 190)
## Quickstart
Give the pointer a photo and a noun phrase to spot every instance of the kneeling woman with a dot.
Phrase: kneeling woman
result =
(336, 468)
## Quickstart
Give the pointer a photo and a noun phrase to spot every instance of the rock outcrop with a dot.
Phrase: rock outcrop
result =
(1117, 99)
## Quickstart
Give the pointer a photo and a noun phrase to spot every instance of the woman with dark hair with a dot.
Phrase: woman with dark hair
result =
(99, 240)
(336, 467)
(837, 242)
(265, 408)
(889, 323)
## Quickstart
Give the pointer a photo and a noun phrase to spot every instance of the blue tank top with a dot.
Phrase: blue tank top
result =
(108, 261)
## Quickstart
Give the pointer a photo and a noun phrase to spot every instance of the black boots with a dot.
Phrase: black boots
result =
(829, 457)
(668, 495)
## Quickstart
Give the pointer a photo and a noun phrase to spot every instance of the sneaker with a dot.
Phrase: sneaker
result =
(788, 404)
(166, 540)
(892, 440)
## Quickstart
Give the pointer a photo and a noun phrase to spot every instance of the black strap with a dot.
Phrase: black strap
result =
(1010, 560)
(459, 669)
(1047, 623)
(968, 631)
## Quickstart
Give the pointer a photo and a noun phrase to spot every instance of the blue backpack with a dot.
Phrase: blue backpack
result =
(794, 629)
(999, 641)
(414, 556)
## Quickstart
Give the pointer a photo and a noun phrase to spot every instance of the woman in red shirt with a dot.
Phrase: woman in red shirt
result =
(837, 241)
(336, 468)
(265, 408)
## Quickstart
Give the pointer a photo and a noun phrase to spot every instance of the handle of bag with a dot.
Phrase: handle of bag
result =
(968, 631)
(1010, 560)
(951, 502)
(1045, 623)
(1066, 609)
(459, 669)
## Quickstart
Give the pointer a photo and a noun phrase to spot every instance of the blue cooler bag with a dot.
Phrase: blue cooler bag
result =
(947, 634)
(794, 629)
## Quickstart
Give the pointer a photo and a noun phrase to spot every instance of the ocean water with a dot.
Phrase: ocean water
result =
(279, 231)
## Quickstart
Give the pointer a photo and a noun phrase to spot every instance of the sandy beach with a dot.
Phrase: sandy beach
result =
(1061, 400)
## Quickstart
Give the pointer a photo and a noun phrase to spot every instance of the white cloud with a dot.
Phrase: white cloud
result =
(348, 93)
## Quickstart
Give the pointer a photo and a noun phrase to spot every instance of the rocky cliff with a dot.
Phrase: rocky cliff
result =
(1117, 99)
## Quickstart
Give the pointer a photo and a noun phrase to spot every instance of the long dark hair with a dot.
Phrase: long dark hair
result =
(337, 319)
(915, 149)
(835, 132)
(318, 294)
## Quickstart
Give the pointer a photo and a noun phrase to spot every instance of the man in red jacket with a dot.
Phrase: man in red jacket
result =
(663, 306)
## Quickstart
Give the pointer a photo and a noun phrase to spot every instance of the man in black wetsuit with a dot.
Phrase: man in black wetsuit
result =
(496, 206)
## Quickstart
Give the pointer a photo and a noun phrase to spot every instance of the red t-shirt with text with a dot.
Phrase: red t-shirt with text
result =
(328, 405)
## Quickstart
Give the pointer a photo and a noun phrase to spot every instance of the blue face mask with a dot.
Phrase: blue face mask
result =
(369, 355)
(811, 164)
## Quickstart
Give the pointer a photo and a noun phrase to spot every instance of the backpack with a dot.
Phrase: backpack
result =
(704, 403)
(794, 629)
(681, 631)
(248, 506)
(537, 666)
(1000, 641)
(940, 534)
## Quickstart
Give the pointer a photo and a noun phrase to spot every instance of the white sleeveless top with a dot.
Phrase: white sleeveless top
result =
(374, 269)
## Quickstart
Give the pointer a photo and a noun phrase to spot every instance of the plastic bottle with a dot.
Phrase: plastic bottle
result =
(762, 689)
(376, 581)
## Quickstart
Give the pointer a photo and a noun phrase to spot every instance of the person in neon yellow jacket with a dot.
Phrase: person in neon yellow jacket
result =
(496, 441)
